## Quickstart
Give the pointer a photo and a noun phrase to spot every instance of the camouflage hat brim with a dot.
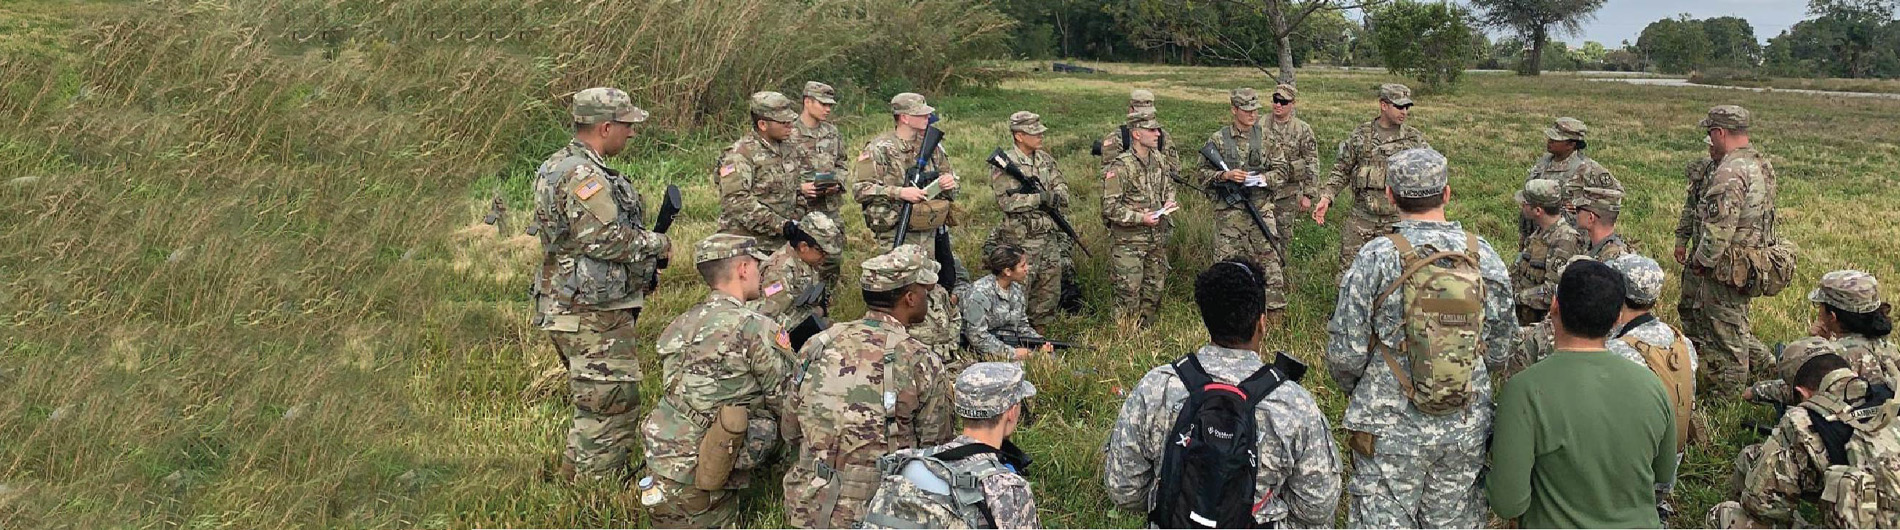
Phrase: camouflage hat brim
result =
(1033, 129)
(831, 245)
(1250, 106)
(780, 115)
(1554, 134)
(920, 110)
(828, 100)
(1400, 101)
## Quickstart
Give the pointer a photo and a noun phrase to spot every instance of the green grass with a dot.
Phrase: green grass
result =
(1831, 84)
(248, 285)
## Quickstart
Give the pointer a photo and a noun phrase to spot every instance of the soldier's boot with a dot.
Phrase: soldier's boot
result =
(1729, 514)
(567, 471)
(1276, 319)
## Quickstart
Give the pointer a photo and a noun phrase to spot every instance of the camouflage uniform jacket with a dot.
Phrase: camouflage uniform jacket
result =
(942, 327)
(1876, 358)
(1696, 174)
(1362, 156)
(758, 189)
(1112, 144)
(1022, 212)
(867, 389)
(819, 149)
(1735, 208)
(1608, 249)
(1540, 265)
(988, 310)
(1794, 462)
(1298, 474)
(1537, 341)
(879, 174)
(1132, 186)
(1006, 495)
(1237, 150)
(1298, 149)
(785, 277)
(1377, 404)
(597, 254)
(1654, 333)
(1573, 173)
(717, 353)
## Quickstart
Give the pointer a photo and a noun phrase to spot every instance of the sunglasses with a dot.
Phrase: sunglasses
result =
(1407, 106)
(1278, 101)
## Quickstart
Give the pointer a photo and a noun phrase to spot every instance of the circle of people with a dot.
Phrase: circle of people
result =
(903, 418)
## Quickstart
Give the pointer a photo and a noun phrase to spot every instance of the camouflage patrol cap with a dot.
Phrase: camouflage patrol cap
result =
(822, 228)
(1731, 117)
(1026, 122)
(1244, 99)
(1141, 98)
(1539, 192)
(821, 92)
(1416, 172)
(1395, 94)
(1566, 129)
(898, 268)
(910, 104)
(603, 104)
(987, 390)
(1797, 353)
(1849, 290)
(721, 246)
(1286, 92)
(772, 106)
(1599, 200)
(1642, 277)
(1144, 119)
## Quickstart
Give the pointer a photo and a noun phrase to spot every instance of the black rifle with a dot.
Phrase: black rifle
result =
(1019, 341)
(1232, 193)
(817, 295)
(946, 259)
(1034, 185)
(670, 206)
(916, 176)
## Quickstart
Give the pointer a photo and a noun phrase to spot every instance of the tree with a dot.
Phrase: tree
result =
(1428, 42)
(1675, 45)
(1536, 20)
(1239, 31)
(1856, 31)
(1732, 42)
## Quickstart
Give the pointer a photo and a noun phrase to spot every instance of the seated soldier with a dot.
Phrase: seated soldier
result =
(994, 318)
(991, 401)
(1847, 311)
(792, 271)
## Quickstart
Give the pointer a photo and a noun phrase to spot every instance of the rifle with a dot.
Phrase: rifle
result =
(814, 296)
(1034, 185)
(1019, 341)
(917, 177)
(1232, 193)
(946, 259)
(670, 206)
(1766, 429)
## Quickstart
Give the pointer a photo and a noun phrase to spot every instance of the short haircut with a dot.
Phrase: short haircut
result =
(1816, 369)
(1872, 324)
(1231, 296)
(1550, 210)
(1417, 205)
(1002, 257)
(1590, 296)
(1639, 306)
(584, 127)
(718, 271)
(1609, 217)
(884, 299)
(985, 423)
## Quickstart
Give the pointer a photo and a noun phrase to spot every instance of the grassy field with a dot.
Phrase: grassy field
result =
(246, 283)
(1881, 86)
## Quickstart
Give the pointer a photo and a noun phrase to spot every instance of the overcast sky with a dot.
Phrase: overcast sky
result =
(1621, 20)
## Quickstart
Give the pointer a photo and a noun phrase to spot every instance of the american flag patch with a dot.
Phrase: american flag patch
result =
(784, 339)
(864, 155)
(589, 187)
(1108, 175)
(726, 170)
(774, 288)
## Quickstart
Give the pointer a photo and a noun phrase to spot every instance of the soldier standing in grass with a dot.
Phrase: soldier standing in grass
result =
(1297, 150)
(1113, 145)
(1025, 224)
(1254, 174)
(1565, 163)
(1137, 191)
(879, 176)
(596, 264)
(757, 177)
(1597, 210)
(1540, 264)
(1360, 169)
(818, 149)
(1728, 223)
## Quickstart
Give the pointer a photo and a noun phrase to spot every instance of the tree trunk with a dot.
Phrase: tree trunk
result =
(1283, 36)
(1536, 63)
(1286, 59)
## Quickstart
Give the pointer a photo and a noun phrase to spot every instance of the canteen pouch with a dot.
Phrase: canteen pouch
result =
(719, 448)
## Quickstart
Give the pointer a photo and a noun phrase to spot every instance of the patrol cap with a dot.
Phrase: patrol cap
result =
(987, 390)
(1797, 353)
(1731, 117)
(910, 104)
(1286, 92)
(772, 106)
(603, 104)
(822, 228)
(1642, 277)
(1144, 119)
(1599, 200)
(898, 268)
(1566, 129)
(721, 246)
(1849, 290)
(1395, 94)
(1416, 172)
(1026, 122)
(1539, 192)
(821, 92)
(1141, 98)
(1244, 99)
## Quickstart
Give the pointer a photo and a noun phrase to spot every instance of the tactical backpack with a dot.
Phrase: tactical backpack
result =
(1672, 365)
(928, 488)
(1862, 484)
(1209, 462)
(1442, 316)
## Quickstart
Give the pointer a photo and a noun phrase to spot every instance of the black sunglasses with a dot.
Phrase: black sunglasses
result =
(1407, 106)
(1278, 101)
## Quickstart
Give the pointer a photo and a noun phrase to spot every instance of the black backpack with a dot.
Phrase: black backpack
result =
(1208, 465)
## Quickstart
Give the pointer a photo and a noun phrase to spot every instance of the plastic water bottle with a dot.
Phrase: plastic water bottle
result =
(649, 492)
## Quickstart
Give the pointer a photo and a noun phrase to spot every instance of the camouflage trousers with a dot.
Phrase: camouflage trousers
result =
(604, 381)
(1286, 216)
(817, 496)
(1405, 484)
(1729, 514)
(1715, 316)
(1371, 216)
(833, 267)
(1048, 255)
(684, 506)
(1237, 237)
(1138, 268)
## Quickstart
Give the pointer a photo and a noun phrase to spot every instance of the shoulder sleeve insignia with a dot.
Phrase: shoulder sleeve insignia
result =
(726, 170)
(775, 288)
(864, 155)
(1108, 174)
(589, 187)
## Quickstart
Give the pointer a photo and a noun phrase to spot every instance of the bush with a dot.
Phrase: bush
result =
(1431, 43)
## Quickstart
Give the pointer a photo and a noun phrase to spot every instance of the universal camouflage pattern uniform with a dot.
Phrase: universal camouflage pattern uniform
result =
(989, 309)
(1602, 202)
(1235, 234)
(820, 149)
(1539, 265)
(1572, 174)
(1729, 208)
(716, 354)
(878, 174)
(1360, 169)
(784, 277)
(1026, 225)
(1642, 280)
(1423, 470)
(1875, 359)
(596, 262)
(758, 179)
(1132, 188)
(1138, 100)
(1293, 143)
(1298, 470)
(987, 390)
(865, 389)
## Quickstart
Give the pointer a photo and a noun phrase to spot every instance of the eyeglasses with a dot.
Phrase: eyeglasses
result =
(1278, 101)
(1407, 106)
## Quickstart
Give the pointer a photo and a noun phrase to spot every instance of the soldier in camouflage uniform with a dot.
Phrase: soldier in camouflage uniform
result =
(1642, 286)
(1294, 145)
(994, 305)
(1564, 163)
(1729, 211)
(1412, 469)
(792, 270)
(878, 175)
(720, 361)
(942, 328)
(1597, 210)
(596, 266)
(865, 388)
(1137, 186)
(1024, 224)
(1536, 271)
(1297, 479)
(1850, 314)
(1794, 464)
(758, 180)
(1360, 170)
(991, 400)
(1138, 100)
(1257, 171)
(818, 148)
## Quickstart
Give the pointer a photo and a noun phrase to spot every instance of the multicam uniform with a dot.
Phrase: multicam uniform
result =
(1236, 235)
(1026, 225)
(758, 179)
(1360, 169)
(1138, 264)
(820, 149)
(1730, 207)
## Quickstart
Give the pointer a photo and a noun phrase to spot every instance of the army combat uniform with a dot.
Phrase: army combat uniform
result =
(1026, 225)
(1729, 210)
(1572, 173)
(1297, 149)
(988, 310)
(878, 175)
(784, 278)
(985, 390)
(1236, 235)
(1874, 359)
(596, 264)
(1360, 170)
(758, 179)
(820, 149)
(1112, 145)
(1134, 187)
(1539, 266)
(1602, 202)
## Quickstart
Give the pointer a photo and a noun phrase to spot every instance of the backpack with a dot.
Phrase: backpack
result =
(933, 488)
(1443, 320)
(1672, 366)
(1208, 465)
(1861, 488)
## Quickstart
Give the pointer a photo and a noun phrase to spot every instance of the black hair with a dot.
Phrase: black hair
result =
(1417, 205)
(885, 300)
(1550, 210)
(1590, 296)
(1231, 296)
(1002, 258)
(1638, 307)
(1816, 369)
(1872, 324)
(796, 235)
(1580, 144)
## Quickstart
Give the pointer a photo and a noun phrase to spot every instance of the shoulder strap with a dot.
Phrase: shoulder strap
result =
(1228, 147)
(1192, 375)
(1255, 136)
(1268, 378)
(1834, 434)
(965, 451)
(1412, 266)
(1634, 323)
